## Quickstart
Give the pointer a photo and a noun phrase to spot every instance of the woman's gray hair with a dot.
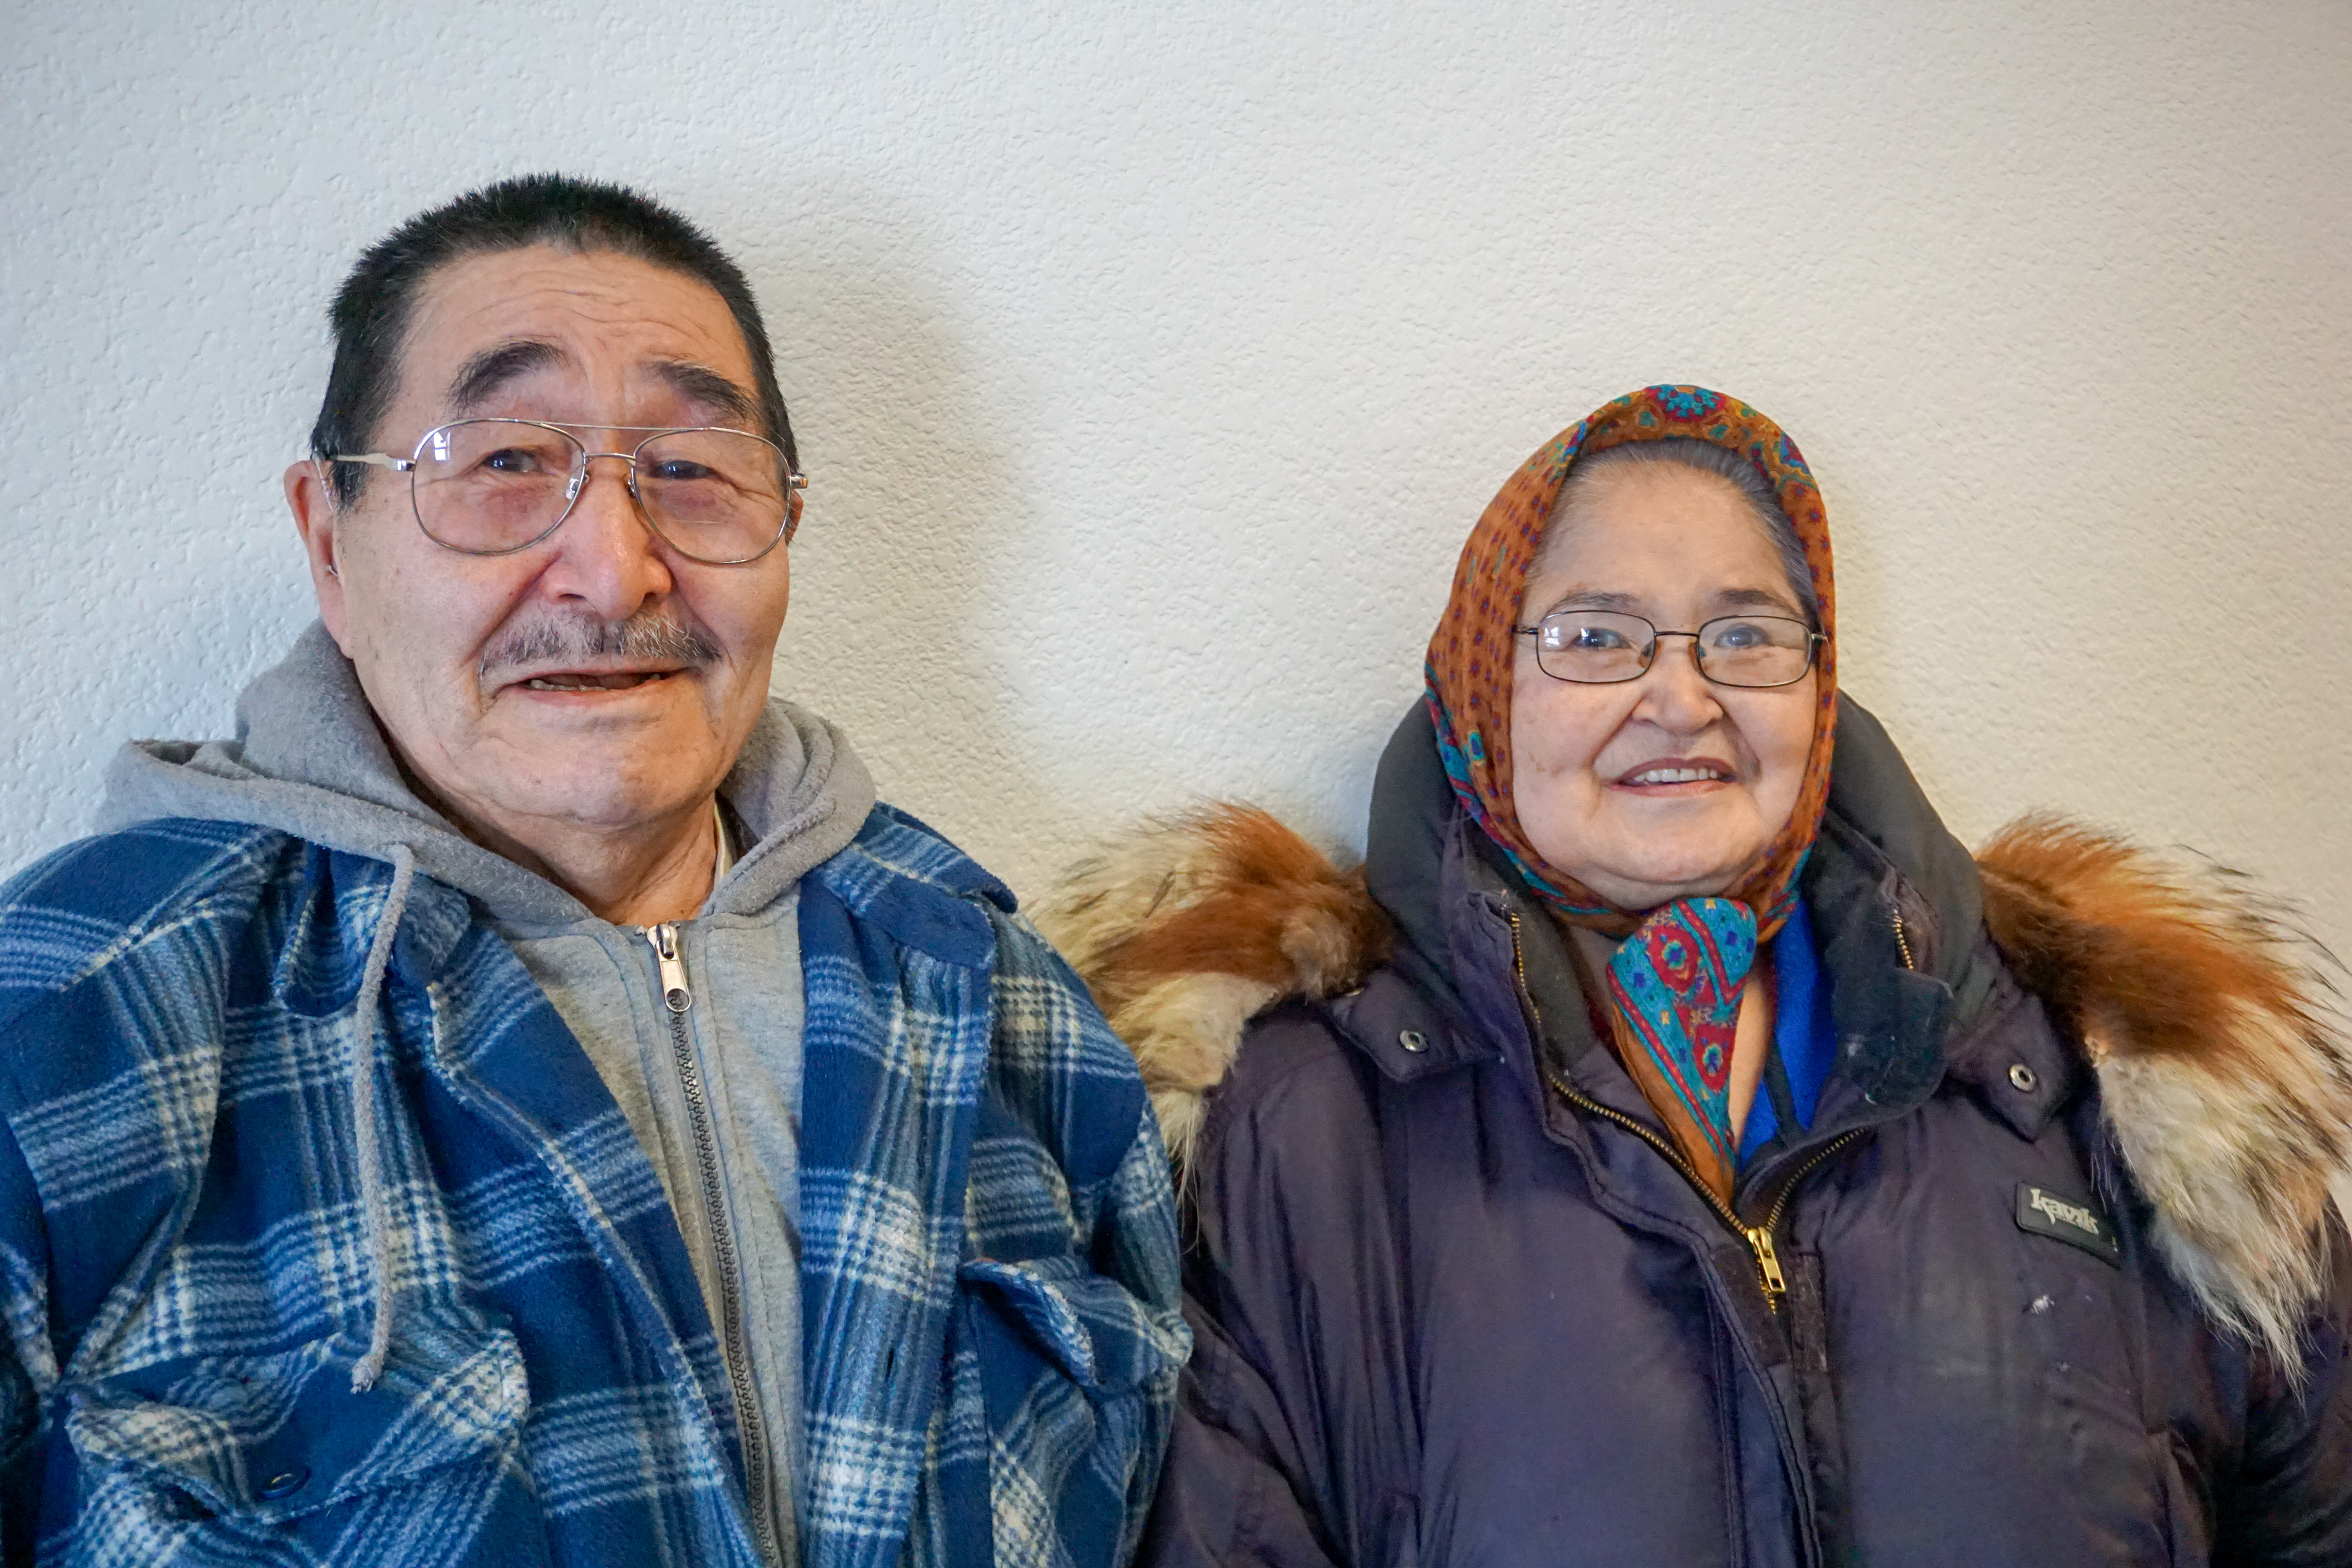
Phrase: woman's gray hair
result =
(1705, 458)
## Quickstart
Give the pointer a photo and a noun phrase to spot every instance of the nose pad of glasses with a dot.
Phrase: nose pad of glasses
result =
(1658, 646)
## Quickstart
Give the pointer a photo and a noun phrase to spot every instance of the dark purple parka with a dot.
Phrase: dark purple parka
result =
(1451, 1308)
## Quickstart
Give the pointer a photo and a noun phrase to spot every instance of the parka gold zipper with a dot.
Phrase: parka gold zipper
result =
(1758, 1238)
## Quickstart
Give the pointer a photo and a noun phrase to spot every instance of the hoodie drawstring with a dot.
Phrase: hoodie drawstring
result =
(364, 1129)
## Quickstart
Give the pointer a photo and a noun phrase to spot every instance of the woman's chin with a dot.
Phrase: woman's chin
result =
(1646, 881)
(1640, 864)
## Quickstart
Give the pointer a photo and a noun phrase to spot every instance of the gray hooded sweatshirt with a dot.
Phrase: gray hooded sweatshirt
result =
(709, 1080)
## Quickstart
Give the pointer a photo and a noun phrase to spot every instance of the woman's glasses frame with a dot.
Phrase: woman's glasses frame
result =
(1813, 641)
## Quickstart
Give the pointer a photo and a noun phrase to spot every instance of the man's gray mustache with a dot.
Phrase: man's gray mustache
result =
(646, 636)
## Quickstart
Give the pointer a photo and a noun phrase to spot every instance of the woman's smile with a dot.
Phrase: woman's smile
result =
(1673, 777)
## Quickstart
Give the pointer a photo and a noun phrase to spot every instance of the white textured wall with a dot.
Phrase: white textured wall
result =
(1151, 357)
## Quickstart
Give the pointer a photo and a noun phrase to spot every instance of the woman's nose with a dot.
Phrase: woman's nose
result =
(1674, 695)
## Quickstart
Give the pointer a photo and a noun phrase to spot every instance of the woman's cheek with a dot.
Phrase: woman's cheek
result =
(1559, 725)
(1782, 738)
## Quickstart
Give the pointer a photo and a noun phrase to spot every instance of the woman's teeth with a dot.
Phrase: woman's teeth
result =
(1675, 775)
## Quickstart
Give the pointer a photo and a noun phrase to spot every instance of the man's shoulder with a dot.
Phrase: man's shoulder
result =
(909, 879)
(906, 877)
(899, 843)
(98, 899)
(900, 865)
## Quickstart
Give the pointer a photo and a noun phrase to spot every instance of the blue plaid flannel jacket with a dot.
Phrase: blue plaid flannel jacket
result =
(990, 1297)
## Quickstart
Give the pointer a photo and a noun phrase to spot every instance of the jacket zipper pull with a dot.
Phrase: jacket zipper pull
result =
(1768, 1262)
(673, 968)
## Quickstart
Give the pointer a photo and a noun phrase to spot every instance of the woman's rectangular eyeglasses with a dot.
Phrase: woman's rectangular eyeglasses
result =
(1598, 648)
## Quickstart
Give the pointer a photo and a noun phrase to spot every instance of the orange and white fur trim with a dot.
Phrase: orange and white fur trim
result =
(2214, 1029)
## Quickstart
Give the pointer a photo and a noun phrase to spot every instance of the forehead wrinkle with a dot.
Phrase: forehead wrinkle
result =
(577, 304)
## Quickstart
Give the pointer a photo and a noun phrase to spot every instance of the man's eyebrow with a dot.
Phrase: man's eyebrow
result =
(701, 384)
(483, 375)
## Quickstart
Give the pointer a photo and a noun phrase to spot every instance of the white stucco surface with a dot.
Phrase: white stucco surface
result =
(1151, 359)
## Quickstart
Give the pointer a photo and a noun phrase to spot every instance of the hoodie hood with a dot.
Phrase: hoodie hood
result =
(309, 759)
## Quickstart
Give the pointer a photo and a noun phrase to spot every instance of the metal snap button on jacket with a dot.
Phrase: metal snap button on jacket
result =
(1413, 1040)
(286, 1483)
(2023, 1077)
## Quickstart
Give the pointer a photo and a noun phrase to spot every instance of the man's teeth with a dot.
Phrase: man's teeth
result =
(1675, 775)
(592, 682)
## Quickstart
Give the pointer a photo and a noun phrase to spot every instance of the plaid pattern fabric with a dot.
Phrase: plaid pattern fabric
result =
(991, 1299)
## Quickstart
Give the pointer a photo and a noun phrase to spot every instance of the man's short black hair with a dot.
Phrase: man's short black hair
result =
(371, 313)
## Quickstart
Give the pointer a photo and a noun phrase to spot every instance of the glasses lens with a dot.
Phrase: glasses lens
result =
(1593, 646)
(717, 495)
(1755, 650)
(489, 485)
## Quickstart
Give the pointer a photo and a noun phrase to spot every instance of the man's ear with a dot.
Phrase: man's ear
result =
(318, 519)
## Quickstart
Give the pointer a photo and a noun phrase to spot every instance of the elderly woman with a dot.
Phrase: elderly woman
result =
(1675, 1149)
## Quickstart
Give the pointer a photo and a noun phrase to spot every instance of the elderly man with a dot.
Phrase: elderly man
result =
(522, 1100)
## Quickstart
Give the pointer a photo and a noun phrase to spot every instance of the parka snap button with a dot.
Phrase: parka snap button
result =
(2022, 1078)
(285, 1483)
(1413, 1040)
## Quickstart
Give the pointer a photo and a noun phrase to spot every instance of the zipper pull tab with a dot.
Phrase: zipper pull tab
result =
(1767, 1263)
(675, 993)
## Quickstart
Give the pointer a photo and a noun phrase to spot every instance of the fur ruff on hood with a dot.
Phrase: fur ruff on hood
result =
(2224, 1069)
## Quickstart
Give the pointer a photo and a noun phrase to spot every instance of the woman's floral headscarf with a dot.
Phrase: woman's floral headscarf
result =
(1679, 1002)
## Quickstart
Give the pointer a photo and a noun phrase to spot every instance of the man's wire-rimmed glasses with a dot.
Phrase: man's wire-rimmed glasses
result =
(491, 487)
(1597, 648)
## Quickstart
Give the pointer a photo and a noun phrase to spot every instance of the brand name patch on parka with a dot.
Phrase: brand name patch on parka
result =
(2076, 1220)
